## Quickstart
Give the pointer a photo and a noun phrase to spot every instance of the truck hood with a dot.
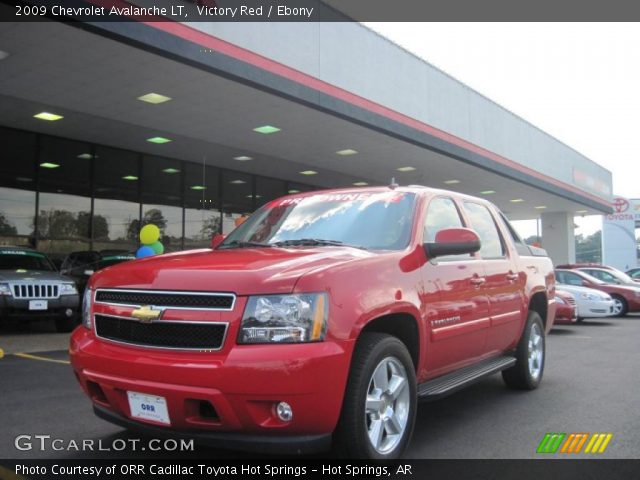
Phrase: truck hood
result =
(31, 275)
(243, 271)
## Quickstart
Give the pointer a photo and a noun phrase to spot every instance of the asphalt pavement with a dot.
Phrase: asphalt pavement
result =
(591, 384)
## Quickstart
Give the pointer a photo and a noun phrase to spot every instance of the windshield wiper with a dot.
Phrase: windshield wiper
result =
(313, 242)
(241, 244)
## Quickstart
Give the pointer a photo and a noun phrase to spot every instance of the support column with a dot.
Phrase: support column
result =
(558, 237)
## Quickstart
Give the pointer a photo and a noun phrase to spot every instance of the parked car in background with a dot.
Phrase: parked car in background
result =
(567, 310)
(590, 303)
(634, 273)
(609, 275)
(81, 265)
(32, 289)
(626, 298)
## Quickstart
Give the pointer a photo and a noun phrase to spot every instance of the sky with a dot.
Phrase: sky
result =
(579, 82)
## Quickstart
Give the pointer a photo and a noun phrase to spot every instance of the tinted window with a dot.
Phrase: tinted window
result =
(482, 222)
(568, 278)
(24, 260)
(442, 213)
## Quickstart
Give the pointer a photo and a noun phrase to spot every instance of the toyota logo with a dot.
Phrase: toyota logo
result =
(620, 205)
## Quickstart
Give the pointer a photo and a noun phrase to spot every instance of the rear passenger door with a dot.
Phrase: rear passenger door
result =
(454, 299)
(504, 285)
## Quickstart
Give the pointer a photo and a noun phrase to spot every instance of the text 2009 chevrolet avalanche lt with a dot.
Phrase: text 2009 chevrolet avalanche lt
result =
(325, 317)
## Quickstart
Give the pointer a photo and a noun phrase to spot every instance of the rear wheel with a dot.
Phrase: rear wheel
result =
(526, 374)
(620, 307)
(379, 407)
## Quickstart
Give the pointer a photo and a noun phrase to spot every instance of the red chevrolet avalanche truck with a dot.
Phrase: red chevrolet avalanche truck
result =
(325, 317)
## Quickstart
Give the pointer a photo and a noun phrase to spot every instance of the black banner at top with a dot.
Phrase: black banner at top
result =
(318, 10)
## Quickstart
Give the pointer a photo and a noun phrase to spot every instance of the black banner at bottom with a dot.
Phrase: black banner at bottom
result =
(319, 469)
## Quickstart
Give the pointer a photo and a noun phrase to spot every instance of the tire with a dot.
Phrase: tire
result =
(620, 306)
(370, 413)
(66, 324)
(526, 374)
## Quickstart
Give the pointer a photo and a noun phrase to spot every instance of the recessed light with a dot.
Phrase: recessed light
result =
(24, 179)
(86, 156)
(198, 187)
(451, 182)
(237, 182)
(266, 129)
(517, 200)
(49, 165)
(50, 117)
(154, 98)
(540, 207)
(158, 140)
(130, 178)
(346, 152)
(254, 196)
(308, 172)
(3, 54)
(360, 184)
(406, 169)
(487, 192)
(171, 170)
(243, 158)
(294, 191)
(582, 211)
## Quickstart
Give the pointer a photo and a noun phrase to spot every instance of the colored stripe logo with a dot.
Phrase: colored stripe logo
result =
(574, 443)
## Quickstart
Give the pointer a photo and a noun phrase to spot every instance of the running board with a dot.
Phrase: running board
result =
(454, 381)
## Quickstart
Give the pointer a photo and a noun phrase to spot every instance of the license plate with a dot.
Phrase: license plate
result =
(38, 305)
(148, 407)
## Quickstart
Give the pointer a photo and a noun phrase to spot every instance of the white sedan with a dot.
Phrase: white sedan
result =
(591, 303)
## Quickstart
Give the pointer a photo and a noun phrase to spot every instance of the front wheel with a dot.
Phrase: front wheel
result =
(379, 407)
(620, 307)
(526, 374)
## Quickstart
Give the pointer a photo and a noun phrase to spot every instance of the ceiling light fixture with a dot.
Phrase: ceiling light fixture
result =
(360, 184)
(308, 172)
(49, 165)
(346, 152)
(49, 117)
(517, 200)
(171, 170)
(158, 140)
(198, 187)
(540, 207)
(293, 190)
(406, 169)
(154, 98)
(266, 129)
(487, 192)
(243, 158)
(237, 182)
(130, 178)
(451, 182)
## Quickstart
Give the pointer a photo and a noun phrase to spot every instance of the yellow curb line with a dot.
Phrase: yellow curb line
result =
(6, 474)
(44, 359)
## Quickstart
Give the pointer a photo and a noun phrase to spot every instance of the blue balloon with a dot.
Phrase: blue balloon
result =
(145, 251)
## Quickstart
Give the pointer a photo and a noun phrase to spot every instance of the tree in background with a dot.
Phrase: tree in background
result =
(5, 226)
(56, 224)
(100, 226)
(589, 248)
(210, 227)
(153, 216)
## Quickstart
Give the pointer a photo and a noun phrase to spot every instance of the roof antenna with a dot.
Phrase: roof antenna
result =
(393, 185)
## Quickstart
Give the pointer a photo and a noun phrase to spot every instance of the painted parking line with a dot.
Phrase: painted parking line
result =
(42, 359)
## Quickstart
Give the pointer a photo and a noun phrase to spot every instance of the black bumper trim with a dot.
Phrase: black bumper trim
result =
(300, 445)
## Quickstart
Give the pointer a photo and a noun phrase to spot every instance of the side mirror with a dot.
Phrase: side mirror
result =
(453, 241)
(217, 240)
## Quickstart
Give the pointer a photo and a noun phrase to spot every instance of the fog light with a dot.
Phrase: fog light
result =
(68, 312)
(284, 412)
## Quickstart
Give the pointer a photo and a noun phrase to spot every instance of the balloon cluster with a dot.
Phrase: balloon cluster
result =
(149, 237)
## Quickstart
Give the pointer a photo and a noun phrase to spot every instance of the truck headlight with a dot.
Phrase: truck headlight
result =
(4, 289)
(285, 318)
(68, 289)
(86, 309)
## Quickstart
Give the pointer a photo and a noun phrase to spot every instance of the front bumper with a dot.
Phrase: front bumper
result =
(56, 307)
(301, 444)
(242, 384)
(595, 308)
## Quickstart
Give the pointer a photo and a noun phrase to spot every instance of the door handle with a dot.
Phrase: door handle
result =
(512, 277)
(477, 281)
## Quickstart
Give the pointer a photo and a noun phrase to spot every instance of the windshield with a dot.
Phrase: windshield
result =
(378, 221)
(623, 277)
(23, 260)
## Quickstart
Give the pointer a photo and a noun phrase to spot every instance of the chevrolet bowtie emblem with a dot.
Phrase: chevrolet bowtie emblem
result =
(146, 314)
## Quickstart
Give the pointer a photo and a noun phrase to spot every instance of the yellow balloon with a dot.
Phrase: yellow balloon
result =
(149, 234)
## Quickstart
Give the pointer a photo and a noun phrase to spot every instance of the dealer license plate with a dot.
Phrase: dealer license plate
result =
(148, 407)
(38, 305)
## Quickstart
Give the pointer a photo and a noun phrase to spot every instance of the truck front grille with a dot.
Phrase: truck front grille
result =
(35, 290)
(162, 334)
(174, 299)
